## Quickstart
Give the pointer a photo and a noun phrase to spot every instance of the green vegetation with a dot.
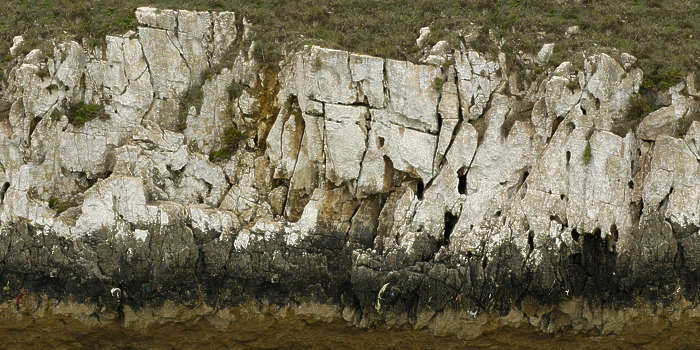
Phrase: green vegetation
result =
(685, 122)
(640, 106)
(234, 90)
(192, 97)
(82, 113)
(58, 205)
(229, 144)
(661, 33)
(42, 73)
(587, 155)
(438, 82)
(317, 64)
(56, 115)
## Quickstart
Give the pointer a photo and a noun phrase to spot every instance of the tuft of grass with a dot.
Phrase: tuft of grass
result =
(685, 123)
(317, 64)
(661, 78)
(234, 90)
(640, 105)
(229, 142)
(58, 205)
(192, 97)
(438, 82)
(82, 113)
(42, 73)
(56, 115)
(572, 85)
(587, 155)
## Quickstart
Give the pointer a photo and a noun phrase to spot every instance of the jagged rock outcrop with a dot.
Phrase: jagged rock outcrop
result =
(409, 194)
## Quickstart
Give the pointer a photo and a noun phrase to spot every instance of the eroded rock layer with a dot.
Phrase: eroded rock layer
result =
(411, 195)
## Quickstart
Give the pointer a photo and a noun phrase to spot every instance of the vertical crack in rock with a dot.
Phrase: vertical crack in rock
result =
(182, 55)
(439, 129)
(150, 74)
(296, 161)
(455, 131)
(172, 37)
(368, 122)
(209, 47)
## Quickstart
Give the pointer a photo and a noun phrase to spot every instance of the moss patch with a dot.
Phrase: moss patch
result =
(685, 122)
(587, 155)
(82, 113)
(229, 143)
(58, 205)
(640, 105)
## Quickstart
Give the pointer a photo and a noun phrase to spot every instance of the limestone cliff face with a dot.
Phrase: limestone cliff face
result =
(419, 195)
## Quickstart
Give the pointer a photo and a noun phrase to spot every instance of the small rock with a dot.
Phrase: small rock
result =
(690, 84)
(545, 53)
(424, 34)
(435, 60)
(657, 123)
(16, 45)
(573, 30)
(277, 198)
(627, 60)
(247, 29)
(440, 49)
(128, 34)
(33, 57)
(663, 98)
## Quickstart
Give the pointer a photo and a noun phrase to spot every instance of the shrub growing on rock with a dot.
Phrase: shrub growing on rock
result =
(82, 113)
(58, 205)
(229, 144)
(639, 107)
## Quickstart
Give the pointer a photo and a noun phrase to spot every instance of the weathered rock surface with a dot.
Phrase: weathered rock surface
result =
(391, 192)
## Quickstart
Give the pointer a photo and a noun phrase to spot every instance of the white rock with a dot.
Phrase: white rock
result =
(477, 79)
(17, 42)
(202, 182)
(572, 30)
(545, 53)
(327, 76)
(224, 34)
(414, 97)
(157, 18)
(608, 82)
(674, 173)
(194, 33)
(692, 138)
(169, 71)
(409, 150)
(424, 34)
(206, 130)
(368, 75)
(440, 48)
(660, 122)
(110, 200)
(345, 143)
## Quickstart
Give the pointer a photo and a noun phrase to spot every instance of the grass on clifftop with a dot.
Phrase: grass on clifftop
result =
(661, 33)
